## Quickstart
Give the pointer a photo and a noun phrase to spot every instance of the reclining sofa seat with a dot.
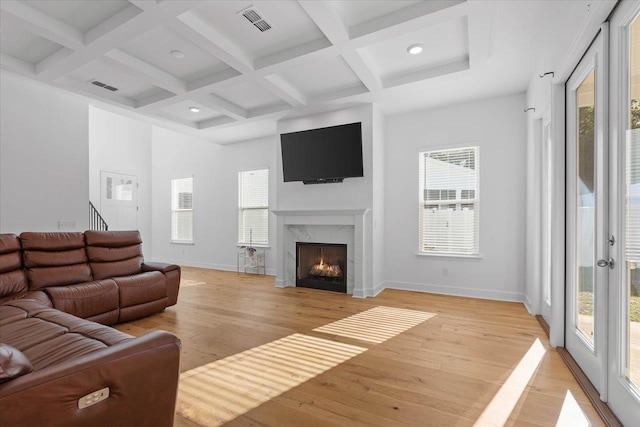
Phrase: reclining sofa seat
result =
(57, 263)
(13, 279)
(118, 255)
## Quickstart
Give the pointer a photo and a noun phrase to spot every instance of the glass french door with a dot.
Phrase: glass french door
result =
(624, 279)
(587, 215)
(602, 324)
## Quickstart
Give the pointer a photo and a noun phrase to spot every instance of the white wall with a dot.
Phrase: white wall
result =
(123, 145)
(378, 199)
(215, 200)
(44, 150)
(498, 127)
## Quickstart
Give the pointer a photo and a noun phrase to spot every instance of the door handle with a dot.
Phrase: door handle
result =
(603, 263)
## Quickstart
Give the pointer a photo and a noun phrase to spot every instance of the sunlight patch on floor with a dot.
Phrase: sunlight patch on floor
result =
(498, 410)
(377, 324)
(571, 414)
(184, 283)
(218, 392)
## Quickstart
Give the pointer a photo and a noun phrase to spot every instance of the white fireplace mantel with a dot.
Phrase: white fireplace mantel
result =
(333, 217)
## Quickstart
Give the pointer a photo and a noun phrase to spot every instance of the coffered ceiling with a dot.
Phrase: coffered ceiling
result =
(160, 58)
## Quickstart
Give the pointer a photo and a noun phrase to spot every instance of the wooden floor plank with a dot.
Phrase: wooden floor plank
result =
(445, 371)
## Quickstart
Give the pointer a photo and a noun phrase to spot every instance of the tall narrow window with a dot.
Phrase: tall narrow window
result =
(448, 201)
(182, 210)
(253, 207)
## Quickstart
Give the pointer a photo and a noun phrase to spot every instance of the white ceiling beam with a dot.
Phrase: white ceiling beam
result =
(479, 34)
(326, 17)
(363, 69)
(215, 122)
(41, 24)
(203, 34)
(173, 118)
(407, 20)
(283, 89)
(269, 109)
(150, 73)
(339, 95)
(17, 65)
(154, 100)
(113, 33)
(115, 21)
(295, 54)
(55, 57)
(222, 105)
(228, 76)
(428, 73)
(144, 4)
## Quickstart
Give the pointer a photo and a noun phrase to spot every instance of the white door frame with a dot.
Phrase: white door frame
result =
(624, 398)
(591, 358)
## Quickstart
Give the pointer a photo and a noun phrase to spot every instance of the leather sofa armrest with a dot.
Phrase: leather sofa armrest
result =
(159, 266)
(142, 375)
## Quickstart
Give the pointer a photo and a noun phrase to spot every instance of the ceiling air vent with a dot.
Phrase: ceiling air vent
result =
(103, 85)
(256, 19)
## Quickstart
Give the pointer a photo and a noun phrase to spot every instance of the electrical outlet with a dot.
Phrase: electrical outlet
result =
(67, 225)
(445, 272)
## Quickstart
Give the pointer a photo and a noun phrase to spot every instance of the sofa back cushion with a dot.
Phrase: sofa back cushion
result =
(55, 259)
(12, 278)
(114, 253)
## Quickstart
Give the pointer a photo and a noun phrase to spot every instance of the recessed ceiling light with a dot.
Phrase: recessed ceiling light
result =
(177, 54)
(194, 109)
(415, 49)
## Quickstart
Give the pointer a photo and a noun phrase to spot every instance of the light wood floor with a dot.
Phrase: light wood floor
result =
(449, 370)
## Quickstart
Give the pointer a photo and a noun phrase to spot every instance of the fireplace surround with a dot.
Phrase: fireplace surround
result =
(332, 226)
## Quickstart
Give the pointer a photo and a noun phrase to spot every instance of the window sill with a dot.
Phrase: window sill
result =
(453, 256)
(254, 245)
(182, 242)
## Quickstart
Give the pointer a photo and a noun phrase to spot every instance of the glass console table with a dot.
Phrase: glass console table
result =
(253, 261)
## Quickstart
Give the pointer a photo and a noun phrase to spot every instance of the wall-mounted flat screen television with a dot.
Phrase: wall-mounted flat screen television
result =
(322, 155)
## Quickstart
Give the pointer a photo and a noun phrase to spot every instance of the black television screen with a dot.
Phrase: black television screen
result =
(322, 155)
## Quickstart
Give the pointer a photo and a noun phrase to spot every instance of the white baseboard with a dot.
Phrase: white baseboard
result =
(223, 267)
(456, 291)
(528, 305)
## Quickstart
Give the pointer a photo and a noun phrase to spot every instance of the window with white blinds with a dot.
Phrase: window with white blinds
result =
(448, 201)
(253, 207)
(182, 210)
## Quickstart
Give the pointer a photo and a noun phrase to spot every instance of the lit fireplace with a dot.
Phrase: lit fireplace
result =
(321, 266)
(326, 270)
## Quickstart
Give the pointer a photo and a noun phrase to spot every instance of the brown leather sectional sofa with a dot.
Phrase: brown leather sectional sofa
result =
(55, 360)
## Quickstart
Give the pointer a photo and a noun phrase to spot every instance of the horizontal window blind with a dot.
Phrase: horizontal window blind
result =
(448, 201)
(182, 209)
(253, 209)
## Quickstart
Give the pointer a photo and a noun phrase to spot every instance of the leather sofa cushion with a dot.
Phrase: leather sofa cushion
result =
(58, 276)
(55, 259)
(38, 296)
(141, 288)
(10, 261)
(11, 314)
(51, 241)
(9, 243)
(12, 283)
(48, 336)
(12, 278)
(113, 239)
(114, 253)
(13, 363)
(85, 299)
(103, 270)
